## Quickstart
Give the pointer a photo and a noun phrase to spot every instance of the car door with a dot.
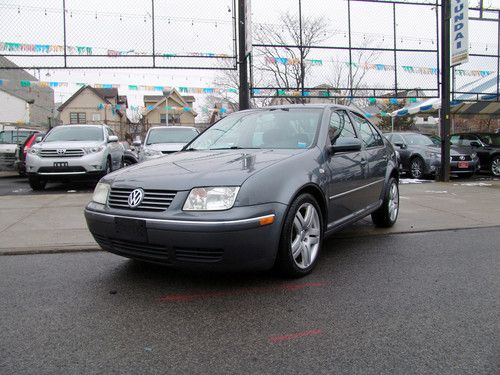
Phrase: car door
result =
(115, 150)
(375, 155)
(346, 172)
(404, 153)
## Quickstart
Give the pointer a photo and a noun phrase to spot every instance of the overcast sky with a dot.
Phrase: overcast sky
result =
(205, 26)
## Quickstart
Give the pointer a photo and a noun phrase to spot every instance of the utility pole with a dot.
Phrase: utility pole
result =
(244, 91)
(444, 120)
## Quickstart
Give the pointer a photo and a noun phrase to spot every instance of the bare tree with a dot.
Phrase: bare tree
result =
(341, 78)
(276, 40)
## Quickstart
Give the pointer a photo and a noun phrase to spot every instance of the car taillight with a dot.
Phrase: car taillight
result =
(29, 144)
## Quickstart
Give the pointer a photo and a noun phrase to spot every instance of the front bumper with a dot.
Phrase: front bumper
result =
(226, 240)
(433, 165)
(87, 165)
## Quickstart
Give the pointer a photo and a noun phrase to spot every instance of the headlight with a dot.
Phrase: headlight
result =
(211, 198)
(101, 192)
(91, 150)
(151, 152)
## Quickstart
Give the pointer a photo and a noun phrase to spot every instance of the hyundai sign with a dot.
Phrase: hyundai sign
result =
(459, 32)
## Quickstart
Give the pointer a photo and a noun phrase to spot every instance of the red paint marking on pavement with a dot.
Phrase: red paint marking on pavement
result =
(291, 336)
(250, 290)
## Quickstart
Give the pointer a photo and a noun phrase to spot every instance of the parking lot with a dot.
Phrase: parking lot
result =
(419, 298)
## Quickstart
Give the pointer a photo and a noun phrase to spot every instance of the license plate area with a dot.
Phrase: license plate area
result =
(463, 164)
(60, 164)
(131, 229)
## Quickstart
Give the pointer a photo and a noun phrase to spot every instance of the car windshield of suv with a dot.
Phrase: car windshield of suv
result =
(15, 137)
(170, 135)
(75, 133)
(490, 139)
(418, 140)
(286, 128)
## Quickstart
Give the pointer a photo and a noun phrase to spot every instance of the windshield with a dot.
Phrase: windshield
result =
(75, 133)
(14, 136)
(490, 139)
(170, 135)
(270, 129)
(418, 140)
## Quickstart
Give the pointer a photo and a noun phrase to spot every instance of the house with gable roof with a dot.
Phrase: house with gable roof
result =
(169, 109)
(91, 105)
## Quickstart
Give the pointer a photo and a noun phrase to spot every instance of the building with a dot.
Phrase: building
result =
(14, 109)
(91, 105)
(159, 114)
(37, 100)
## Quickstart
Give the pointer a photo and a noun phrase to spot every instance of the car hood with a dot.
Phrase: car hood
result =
(454, 150)
(166, 146)
(185, 170)
(68, 144)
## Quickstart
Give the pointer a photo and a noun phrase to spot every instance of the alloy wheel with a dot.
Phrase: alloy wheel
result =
(305, 236)
(416, 168)
(393, 202)
(495, 166)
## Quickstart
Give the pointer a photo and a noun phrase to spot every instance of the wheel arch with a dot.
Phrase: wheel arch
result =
(317, 193)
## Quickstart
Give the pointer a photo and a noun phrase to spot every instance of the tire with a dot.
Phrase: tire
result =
(495, 166)
(387, 214)
(36, 183)
(109, 167)
(417, 167)
(301, 238)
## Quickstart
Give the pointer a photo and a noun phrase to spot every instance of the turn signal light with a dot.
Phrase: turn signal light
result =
(267, 220)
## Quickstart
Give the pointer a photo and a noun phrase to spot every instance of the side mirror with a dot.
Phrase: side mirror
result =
(402, 146)
(137, 143)
(345, 145)
(38, 139)
(112, 138)
(475, 144)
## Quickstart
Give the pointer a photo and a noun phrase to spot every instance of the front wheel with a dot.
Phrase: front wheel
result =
(417, 167)
(495, 166)
(387, 214)
(301, 238)
(36, 183)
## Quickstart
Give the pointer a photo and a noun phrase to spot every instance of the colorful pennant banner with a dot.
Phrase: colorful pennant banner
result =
(84, 50)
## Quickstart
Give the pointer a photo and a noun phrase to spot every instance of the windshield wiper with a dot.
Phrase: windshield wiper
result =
(235, 148)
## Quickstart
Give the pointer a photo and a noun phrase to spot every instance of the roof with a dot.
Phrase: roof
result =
(13, 94)
(14, 74)
(157, 98)
(107, 93)
(189, 98)
(101, 93)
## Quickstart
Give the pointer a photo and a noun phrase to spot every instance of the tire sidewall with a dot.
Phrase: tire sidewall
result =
(285, 258)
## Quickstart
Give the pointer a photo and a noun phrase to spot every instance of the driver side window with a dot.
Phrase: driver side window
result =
(340, 126)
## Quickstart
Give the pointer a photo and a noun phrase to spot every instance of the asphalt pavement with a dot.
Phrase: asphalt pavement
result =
(422, 303)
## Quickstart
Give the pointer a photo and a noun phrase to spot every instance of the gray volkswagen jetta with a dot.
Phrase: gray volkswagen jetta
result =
(260, 188)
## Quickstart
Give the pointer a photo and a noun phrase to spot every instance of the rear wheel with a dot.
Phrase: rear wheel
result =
(301, 238)
(417, 167)
(387, 214)
(36, 183)
(495, 166)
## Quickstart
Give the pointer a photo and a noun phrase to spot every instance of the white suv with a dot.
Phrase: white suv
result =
(70, 151)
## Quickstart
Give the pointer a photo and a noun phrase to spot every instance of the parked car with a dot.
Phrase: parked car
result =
(10, 140)
(71, 151)
(421, 156)
(260, 188)
(486, 145)
(163, 140)
(129, 155)
(22, 150)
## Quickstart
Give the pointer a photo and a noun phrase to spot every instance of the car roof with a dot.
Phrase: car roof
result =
(173, 127)
(306, 106)
(77, 125)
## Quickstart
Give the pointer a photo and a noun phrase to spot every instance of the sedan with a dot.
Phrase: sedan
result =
(259, 189)
(421, 156)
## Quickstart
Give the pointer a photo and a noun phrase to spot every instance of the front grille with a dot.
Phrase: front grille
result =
(198, 255)
(68, 153)
(61, 169)
(457, 158)
(134, 249)
(154, 200)
(7, 160)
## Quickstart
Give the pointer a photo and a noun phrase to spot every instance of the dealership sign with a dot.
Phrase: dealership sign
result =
(459, 32)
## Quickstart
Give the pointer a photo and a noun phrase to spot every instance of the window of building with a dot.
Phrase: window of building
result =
(77, 118)
(96, 117)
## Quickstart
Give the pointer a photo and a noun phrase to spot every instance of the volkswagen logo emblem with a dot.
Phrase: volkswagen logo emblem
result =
(462, 157)
(61, 151)
(135, 198)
